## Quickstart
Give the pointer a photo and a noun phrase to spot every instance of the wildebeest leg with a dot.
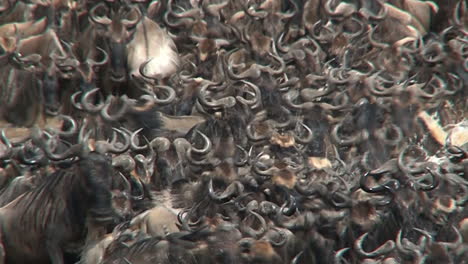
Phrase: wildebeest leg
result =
(55, 252)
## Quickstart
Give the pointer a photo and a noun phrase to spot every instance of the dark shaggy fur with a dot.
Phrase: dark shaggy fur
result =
(40, 225)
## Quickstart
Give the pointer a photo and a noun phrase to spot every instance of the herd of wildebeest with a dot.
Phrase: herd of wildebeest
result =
(233, 131)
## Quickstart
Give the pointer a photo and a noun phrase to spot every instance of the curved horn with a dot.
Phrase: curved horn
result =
(279, 43)
(184, 19)
(226, 102)
(241, 163)
(289, 207)
(341, 10)
(142, 67)
(207, 146)
(459, 12)
(342, 100)
(297, 258)
(98, 19)
(170, 97)
(127, 186)
(399, 245)
(37, 138)
(434, 183)
(74, 101)
(289, 98)
(273, 237)
(390, 186)
(231, 190)
(270, 69)
(104, 60)
(140, 186)
(134, 144)
(9, 147)
(129, 23)
(433, 52)
(355, 139)
(37, 156)
(339, 255)
(184, 217)
(114, 117)
(254, 14)
(252, 72)
(386, 248)
(408, 248)
(256, 96)
(357, 33)
(381, 14)
(267, 172)
(193, 161)
(401, 160)
(455, 244)
(308, 135)
(113, 147)
(374, 42)
(322, 37)
(192, 13)
(249, 230)
(87, 105)
(73, 128)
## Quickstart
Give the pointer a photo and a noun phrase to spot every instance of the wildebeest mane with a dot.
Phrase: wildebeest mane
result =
(67, 194)
(57, 196)
(15, 188)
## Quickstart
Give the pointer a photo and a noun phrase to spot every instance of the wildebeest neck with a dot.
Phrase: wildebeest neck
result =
(96, 169)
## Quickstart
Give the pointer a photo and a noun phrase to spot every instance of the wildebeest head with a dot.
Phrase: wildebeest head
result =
(24, 62)
(119, 29)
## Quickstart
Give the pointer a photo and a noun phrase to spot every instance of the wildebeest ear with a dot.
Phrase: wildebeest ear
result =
(153, 9)
(8, 44)
(132, 17)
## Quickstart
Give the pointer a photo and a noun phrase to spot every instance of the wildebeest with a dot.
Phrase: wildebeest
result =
(119, 27)
(49, 220)
(163, 56)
